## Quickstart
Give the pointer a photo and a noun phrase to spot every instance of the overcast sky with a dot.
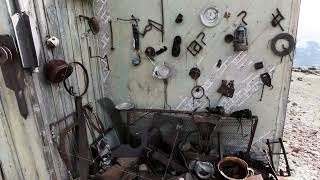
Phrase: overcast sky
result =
(309, 23)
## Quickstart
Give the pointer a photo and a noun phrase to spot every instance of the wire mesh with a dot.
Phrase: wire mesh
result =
(235, 134)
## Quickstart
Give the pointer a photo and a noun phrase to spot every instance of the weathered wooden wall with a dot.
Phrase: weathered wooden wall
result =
(26, 150)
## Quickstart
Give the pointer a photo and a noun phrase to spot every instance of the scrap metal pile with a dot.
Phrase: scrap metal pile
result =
(161, 144)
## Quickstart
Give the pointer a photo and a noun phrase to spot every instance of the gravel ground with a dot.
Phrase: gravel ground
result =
(302, 127)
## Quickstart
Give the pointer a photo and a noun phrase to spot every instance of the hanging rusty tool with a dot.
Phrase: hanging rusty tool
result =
(135, 32)
(111, 35)
(13, 75)
(266, 79)
(152, 24)
(198, 92)
(80, 129)
(94, 25)
(104, 59)
(276, 21)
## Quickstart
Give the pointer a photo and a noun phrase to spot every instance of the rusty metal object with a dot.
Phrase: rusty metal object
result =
(266, 80)
(195, 73)
(258, 65)
(285, 51)
(200, 157)
(13, 75)
(165, 160)
(150, 52)
(179, 19)
(276, 21)
(205, 125)
(93, 22)
(244, 15)
(227, 89)
(234, 168)
(240, 41)
(227, 15)
(195, 47)
(228, 38)
(282, 152)
(58, 70)
(111, 35)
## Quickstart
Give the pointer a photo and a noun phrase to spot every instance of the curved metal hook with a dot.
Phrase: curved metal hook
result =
(244, 13)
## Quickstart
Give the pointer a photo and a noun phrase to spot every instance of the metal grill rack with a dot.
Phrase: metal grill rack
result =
(236, 135)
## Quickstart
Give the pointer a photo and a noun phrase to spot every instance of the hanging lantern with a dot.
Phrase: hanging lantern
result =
(241, 39)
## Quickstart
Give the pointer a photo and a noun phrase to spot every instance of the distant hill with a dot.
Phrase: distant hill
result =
(307, 54)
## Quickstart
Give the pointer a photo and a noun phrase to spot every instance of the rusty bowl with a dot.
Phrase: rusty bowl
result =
(58, 70)
(233, 168)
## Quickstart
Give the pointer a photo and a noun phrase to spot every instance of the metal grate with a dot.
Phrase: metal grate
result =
(235, 136)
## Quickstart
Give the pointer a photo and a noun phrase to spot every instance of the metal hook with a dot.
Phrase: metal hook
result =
(244, 13)
(202, 35)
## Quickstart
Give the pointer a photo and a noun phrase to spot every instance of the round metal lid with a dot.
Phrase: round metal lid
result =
(210, 16)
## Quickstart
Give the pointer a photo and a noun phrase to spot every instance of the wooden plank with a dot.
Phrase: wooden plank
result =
(8, 157)
(73, 12)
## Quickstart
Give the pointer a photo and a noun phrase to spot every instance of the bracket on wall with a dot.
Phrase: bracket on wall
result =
(13, 73)
(276, 21)
(195, 47)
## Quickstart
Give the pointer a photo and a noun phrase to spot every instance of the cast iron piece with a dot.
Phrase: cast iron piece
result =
(162, 50)
(285, 50)
(258, 65)
(179, 19)
(244, 13)
(227, 89)
(195, 73)
(228, 38)
(176, 46)
(58, 70)
(276, 21)
(150, 52)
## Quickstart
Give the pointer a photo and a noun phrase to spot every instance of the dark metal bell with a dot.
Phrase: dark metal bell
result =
(58, 70)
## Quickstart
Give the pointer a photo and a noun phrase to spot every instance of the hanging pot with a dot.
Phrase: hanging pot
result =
(58, 70)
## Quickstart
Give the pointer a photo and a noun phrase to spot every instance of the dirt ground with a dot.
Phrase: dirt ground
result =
(302, 127)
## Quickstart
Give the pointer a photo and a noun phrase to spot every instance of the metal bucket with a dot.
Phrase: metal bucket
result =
(233, 168)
